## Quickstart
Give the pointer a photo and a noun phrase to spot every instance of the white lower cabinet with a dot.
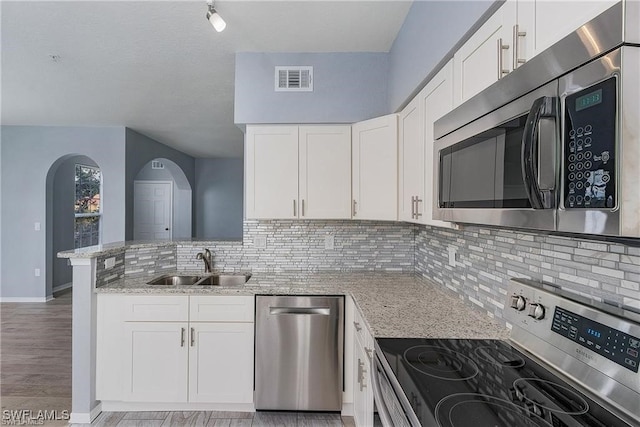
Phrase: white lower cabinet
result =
(155, 362)
(221, 362)
(362, 387)
(175, 362)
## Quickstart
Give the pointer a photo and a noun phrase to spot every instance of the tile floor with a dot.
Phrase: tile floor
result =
(35, 374)
(221, 419)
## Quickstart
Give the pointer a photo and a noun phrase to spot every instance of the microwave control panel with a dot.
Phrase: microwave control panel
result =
(590, 147)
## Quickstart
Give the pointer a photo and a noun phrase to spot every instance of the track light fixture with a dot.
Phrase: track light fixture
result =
(215, 19)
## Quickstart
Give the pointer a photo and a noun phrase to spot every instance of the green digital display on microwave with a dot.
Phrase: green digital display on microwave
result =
(589, 100)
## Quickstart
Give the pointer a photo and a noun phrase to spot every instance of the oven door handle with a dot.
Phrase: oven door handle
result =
(538, 158)
(385, 417)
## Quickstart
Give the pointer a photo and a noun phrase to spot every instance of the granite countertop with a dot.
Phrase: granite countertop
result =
(117, 247)
(392, 304)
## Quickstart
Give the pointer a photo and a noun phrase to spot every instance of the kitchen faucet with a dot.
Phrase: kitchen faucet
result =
(207, 258)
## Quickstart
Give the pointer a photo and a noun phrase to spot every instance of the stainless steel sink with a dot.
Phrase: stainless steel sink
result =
(225, 279)
(175, 280)
(205, 280)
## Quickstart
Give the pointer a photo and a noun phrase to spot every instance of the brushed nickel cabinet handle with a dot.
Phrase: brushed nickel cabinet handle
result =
(517, 61)
(302, 208)
(193, 337)
(182, 332)
(413, 207)
(501, 47)
(295, 211)
(418, 214)
(354, 207)
(361, 376)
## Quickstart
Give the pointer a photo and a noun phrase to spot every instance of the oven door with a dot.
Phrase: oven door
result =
(502, 168)
(393, 407)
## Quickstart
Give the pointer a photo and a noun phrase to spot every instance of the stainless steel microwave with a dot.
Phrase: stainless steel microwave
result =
(564, 156)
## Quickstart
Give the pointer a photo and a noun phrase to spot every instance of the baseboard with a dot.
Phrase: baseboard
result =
(85, 418)
(347, 409)
(117, 406)
(62, 287)
(26, 299)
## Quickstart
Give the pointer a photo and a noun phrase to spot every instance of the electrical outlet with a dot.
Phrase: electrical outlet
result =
(329, 242)
(37, 272)
(452, 256)
(36, 226)
(260, 242)
(109, 263)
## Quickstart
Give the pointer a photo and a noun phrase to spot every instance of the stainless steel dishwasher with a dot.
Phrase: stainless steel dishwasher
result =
(299, 353)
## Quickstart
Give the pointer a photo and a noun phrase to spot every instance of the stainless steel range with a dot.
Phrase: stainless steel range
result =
(570, 361)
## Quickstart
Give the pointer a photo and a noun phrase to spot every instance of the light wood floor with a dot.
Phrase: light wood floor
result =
(35, 356)
(35, 374)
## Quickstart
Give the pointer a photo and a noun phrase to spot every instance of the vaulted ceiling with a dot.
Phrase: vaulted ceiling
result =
(159, 67)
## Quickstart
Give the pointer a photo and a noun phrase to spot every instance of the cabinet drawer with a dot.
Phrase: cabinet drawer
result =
(222, 309)
(361, 332)
(148, 308)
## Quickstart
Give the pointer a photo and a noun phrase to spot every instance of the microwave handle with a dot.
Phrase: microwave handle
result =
(539, 177)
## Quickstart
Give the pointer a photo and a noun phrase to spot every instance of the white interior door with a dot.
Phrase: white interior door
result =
(152, 208)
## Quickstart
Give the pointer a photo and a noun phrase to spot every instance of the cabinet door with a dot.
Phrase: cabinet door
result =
(486, 56)
(155, 365)
(221, 362)
(325, 172)
(375, 168)
(436, 100)
(362, 392)
(546, 22)
(411, 157)
(271, 172)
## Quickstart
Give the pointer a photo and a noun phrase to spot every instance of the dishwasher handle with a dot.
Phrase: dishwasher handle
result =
(323, 311)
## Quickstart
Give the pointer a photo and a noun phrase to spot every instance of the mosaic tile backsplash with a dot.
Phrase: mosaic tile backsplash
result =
(487, 258)
(300, 246)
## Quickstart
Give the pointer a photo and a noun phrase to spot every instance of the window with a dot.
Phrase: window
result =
(87, 206)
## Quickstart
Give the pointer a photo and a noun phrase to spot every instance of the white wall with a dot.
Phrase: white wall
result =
(28, 154)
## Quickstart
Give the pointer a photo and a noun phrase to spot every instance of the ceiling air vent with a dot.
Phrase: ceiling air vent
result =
(294, 79)
(155, 164)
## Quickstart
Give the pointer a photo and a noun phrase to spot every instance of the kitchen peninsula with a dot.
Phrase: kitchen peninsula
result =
(390, 303)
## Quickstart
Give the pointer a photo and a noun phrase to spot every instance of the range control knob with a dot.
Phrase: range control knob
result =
(518, 302)
(536, 311)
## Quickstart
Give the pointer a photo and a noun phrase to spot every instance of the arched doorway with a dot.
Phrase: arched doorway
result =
(73, 214)
(161, 202)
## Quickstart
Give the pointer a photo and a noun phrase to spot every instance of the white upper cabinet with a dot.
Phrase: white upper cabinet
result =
(325, 172)
(486, 56)
(375, 168)
(436, 100)
(546, 22)
(298, 172)
(515, 33)
(271, 172)
(411, 163)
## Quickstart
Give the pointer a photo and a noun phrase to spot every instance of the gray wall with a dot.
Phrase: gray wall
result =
(348, 87)
(140, 150)
(63, 224)
(30, 157)
(219, 195)
(430, 30)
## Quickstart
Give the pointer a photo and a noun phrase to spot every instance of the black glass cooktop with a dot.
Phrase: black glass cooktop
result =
(485, 383)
